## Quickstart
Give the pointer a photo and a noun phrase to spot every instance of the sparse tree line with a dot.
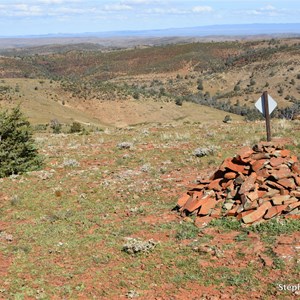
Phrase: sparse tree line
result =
(157, 89)
(253, 55)
(250, 113)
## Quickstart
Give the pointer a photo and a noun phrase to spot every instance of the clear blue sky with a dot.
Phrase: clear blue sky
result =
(78, 16)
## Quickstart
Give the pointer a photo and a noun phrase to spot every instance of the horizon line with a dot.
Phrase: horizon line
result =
(79, 34)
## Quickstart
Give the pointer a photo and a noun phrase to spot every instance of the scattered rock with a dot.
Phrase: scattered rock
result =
(70, 163)
(134, 246)
(125, 145)
(200, 152)
(267, 261)
(6, 236)
(145, 168)
(132, 294)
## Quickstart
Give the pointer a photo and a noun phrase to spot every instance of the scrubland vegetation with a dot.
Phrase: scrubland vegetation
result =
(93, 218)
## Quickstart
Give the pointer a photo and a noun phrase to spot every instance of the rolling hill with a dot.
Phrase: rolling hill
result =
(74, 80)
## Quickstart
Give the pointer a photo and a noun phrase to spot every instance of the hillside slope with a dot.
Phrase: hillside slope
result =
(43, 101)
(83, 84)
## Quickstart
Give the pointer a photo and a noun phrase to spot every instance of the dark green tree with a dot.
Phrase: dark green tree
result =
(18, 152)
(200, 85)
(75, 127)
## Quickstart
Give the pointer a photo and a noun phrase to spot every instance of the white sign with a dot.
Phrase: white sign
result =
(272, 104)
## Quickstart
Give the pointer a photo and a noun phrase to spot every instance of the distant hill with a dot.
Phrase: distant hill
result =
(156, 36)
(213, 30)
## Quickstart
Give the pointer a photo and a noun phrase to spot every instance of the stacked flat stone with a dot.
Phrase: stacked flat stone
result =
(255, 185)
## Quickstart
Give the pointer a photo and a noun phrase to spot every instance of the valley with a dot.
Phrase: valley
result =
(227, 75)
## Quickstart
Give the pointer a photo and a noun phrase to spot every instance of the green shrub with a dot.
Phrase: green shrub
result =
(18, 153)
(227, 119)
(75, 127)
(136, 95)
(237, 88)
(179, 101)
(200, 85)
(56, 126)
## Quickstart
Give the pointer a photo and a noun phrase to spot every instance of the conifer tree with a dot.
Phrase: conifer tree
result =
(18, 152)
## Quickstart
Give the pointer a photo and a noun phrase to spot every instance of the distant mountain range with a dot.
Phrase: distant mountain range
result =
(201, 31)
(125, 39)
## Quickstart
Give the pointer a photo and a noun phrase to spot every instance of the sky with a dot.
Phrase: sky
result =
(37, 17)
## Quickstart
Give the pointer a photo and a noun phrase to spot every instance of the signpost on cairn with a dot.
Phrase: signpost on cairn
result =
(266, 104)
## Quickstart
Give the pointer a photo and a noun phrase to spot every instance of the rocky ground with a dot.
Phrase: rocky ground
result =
(97, 222)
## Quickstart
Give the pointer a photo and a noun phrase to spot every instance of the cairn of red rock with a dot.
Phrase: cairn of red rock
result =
(254, 186)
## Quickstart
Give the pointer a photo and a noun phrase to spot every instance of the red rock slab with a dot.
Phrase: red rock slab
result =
(283, 172)
(244, 154)
(276, 161)
(252, 195)
(261, 193)
(244, 213)
(183, 199)
(285, 153)
(232, 212)
(277, 153)
(269, 149)
(261, 201)
(284, 192)
(294, 217)
(258, 156)
(280, 199)
(258, 164)
(229, 184)
(296, 168)
(215, 185)
(230, 175)
(263, 173)
(291, 200)
(297, 180)
(194, 203)
(249, 205)
(295, 194)
(202, 222)
(293, 159)
(271, 193)
(203, 181)
(258, 147)
(197, 187)
(207, 205)
(240, 179)
(229, 164)
(274, 211)
(292, 206)
(273, 184)
(287, 183)
(257, 214)
(220, 195)
(267, 261)
(197, 194)
(248, 184)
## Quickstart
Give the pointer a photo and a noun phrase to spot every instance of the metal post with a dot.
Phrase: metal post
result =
(266, 114)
